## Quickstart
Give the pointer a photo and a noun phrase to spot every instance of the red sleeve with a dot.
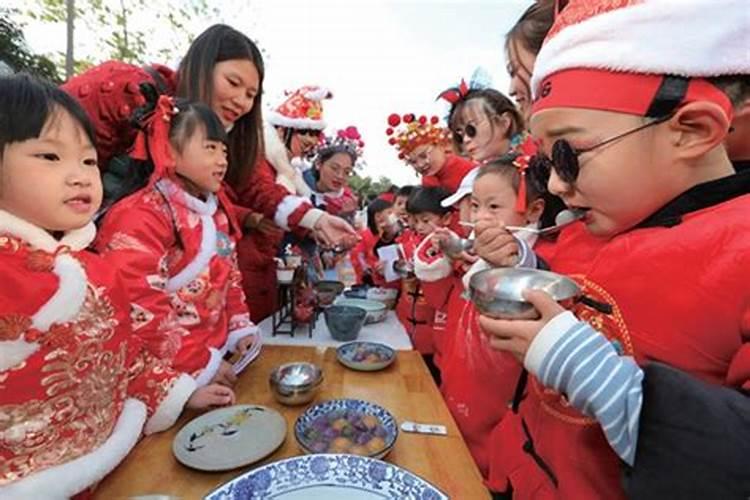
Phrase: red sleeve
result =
(135, 239)
(263, 194)
(739, 367)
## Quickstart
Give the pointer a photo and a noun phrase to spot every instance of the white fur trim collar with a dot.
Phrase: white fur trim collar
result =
(76, 239)
(278, 157)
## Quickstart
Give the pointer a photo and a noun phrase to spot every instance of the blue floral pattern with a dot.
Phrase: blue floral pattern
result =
(349, 473)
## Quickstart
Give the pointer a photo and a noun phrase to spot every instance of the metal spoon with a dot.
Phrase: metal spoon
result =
(563, 219)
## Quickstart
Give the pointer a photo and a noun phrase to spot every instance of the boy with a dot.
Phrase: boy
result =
(642, 152)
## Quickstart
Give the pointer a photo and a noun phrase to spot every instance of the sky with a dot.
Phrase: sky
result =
(376, 56)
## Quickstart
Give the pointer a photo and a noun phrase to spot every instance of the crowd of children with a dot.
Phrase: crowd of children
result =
(640, 390)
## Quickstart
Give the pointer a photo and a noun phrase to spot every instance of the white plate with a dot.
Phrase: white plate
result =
(328, 477)
(348, 355)
(230, 437)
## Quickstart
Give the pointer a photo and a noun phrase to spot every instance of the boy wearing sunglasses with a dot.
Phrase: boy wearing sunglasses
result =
(662, 257)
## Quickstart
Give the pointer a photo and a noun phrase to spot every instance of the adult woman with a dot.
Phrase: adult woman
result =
(222, 68)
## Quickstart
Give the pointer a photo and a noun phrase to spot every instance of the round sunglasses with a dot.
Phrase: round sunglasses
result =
(565, 157)
(470, 131)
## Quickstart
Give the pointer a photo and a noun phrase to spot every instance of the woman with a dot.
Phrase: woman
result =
(224, 69)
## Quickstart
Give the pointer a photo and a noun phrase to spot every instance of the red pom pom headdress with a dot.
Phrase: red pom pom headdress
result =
(408, 132)
(347, 140)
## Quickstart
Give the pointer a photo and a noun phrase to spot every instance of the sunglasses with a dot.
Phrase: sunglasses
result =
(311, 132)
(470, 131)
(565, 157)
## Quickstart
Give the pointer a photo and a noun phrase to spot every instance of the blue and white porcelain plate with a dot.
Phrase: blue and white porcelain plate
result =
(328, 477)
(346, 426)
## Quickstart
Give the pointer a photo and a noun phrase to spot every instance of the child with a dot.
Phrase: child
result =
(642, 153)
(399, 205)
(383, 228)
(484, 123)
(423, 323)
(76, 387)
(425, 146)
(174, 245)
(468, 362)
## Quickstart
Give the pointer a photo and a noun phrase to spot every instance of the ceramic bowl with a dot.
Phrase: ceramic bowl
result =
(498, 292)
(385, 295)
(285, 275)
(344, 322)
(365, 356)
(327, 291)
(295, 383)
(376, 311)
(346, 425)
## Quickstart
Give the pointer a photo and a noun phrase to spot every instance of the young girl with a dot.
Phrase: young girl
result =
(484, 123)
(174, 245)
(424, 145)
(384, 228)
(76, 387)
(470, 363)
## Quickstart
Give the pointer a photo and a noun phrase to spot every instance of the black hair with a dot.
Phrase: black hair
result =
(405, 191)
(494, 103)
(191, 117)
(26, 105)
(327, 153)
(536, 184)
(375, 207)
(532, 27)
(427, 200)
(736, 87)
(195, 83)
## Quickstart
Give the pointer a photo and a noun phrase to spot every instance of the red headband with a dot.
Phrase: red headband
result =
(631, 93)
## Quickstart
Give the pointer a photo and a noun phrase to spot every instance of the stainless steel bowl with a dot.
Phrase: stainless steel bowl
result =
(498, 292)
(295, 383)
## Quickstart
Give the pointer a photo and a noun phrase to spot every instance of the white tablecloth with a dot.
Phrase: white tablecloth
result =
(390, 332)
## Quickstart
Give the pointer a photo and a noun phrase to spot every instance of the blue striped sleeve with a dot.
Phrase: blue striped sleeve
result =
(572, 358)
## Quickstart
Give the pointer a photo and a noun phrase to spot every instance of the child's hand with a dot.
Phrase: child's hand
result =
(245, 343)
(379, 268)
(515, 335)
(439, 236)
(467, 259)
(495, 244)
(225, 375)
(210, 396)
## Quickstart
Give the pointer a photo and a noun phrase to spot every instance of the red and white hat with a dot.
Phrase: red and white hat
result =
(614, 55)
(302, 109)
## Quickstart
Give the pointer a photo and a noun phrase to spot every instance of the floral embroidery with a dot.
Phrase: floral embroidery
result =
(13, 326)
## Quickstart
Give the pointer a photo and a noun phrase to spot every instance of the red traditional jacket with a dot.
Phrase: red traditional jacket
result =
(76, 387)
(449, 177)
(176, 255)
(672, 290)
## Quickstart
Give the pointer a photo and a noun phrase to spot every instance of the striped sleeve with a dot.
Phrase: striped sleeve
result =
(572, 358)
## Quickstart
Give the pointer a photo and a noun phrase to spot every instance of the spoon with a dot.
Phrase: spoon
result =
(563, 219)
(455, 245)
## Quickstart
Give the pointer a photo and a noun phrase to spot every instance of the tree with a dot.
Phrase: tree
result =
(365, 187)
(15, 52)
(135, 31)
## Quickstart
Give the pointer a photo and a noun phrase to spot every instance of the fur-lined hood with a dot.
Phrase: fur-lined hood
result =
(286, 174)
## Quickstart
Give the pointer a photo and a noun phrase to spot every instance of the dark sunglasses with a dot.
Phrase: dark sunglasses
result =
(565, 157)
(309, 132)
(470, 131)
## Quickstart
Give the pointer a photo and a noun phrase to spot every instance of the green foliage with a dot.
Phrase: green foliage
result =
(15, 52)
(365, 187)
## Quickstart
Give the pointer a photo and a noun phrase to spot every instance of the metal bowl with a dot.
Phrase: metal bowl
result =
(498, 292)
(295, 383)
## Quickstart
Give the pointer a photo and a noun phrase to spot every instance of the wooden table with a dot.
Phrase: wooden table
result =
(405, 389)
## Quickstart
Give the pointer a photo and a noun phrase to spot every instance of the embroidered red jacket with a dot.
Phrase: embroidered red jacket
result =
(76, 386)
(176, 255)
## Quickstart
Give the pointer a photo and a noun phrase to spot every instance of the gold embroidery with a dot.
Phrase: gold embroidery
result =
(84, 383)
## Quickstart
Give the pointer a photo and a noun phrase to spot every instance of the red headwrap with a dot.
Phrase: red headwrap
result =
(152, 141)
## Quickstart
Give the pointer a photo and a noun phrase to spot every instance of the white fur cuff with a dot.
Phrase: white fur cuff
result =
(170, 408)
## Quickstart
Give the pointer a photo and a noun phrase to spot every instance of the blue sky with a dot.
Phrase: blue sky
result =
(377, 56)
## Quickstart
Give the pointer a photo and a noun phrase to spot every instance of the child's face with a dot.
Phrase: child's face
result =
(399, 207)
(494, 199)
(235, 86)
(483, 137)
(427, 159)
(335, 173)
(203, 162)
(52, 181)
(620, 183)
(426, 223)
(464, 209)
(382, 221)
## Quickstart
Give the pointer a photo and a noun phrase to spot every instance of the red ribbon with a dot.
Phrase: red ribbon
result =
(152, 141)
(521, 163)
(455, 94)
